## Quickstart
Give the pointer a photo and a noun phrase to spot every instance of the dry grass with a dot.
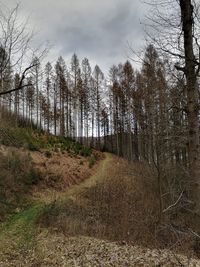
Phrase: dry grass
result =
(118, 203)
(121, 206)
(17, 176)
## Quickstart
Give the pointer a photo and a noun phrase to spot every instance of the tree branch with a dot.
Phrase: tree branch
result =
(173, 205)
(20, 86)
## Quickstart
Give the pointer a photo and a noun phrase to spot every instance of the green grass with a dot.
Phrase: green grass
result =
(21, 228)
(22, 223)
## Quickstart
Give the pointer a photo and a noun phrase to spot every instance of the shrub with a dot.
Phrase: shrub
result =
(85, 151)
(14, 162)
(16, 177)
(47, 154)
(33, 177)
(91, 161)
(31, 146)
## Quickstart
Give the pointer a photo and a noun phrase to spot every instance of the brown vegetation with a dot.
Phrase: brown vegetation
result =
(62, 169)
(23, 173)
(122, 206)
(17, 176)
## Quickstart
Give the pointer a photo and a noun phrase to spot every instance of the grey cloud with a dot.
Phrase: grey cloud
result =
(96, 29)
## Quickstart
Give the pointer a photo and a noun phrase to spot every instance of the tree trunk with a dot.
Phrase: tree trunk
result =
(192, 100)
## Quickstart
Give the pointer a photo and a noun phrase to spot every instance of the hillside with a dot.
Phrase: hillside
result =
(70, 228)
(100, 150)
(63, 204)
(32, 161)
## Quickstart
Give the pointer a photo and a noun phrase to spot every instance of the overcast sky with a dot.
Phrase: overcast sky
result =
(96, 29)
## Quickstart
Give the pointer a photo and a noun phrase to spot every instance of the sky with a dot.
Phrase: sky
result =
(97, 29)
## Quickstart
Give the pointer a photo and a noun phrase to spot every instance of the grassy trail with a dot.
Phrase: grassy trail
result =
(20, 229)
(98, 176)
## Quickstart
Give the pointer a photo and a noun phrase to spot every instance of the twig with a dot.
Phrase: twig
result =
(171, 206)
(194, 233)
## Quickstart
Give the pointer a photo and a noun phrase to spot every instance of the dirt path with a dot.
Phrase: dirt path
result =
(98, 176)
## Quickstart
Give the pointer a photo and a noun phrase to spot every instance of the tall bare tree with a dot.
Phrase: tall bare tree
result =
(176, 24)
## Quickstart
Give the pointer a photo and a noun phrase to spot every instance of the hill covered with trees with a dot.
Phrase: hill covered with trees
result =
(148, 117)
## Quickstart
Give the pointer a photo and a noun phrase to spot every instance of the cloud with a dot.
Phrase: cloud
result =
(96, 29)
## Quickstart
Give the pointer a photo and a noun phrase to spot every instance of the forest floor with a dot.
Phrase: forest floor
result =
(65, 227)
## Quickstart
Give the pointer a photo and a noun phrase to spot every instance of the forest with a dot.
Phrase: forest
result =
(147, 115)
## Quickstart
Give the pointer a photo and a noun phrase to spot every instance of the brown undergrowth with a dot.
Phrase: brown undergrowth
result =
(122, 206)
(119, 207)
(25, 174)
(17, 176)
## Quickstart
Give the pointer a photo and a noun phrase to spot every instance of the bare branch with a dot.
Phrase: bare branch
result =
(173, 205)
(21, 86)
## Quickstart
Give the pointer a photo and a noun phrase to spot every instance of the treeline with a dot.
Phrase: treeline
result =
(139, 115)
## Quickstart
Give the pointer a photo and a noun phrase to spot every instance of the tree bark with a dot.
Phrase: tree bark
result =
(192, 100)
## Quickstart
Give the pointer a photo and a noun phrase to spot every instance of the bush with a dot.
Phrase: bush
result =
(91, 161)
(85, 152)
(31, 146)
(33, 177)
(14, 163)
(16, 177)
(47, 154)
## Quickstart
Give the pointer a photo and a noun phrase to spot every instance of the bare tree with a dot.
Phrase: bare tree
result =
(16, 53)
(177, 25)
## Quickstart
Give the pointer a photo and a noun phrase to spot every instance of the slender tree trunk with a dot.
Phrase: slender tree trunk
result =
(37, 97)
(92, 129)
(55, 110)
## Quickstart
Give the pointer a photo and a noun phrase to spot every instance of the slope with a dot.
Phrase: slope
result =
(67, 228)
